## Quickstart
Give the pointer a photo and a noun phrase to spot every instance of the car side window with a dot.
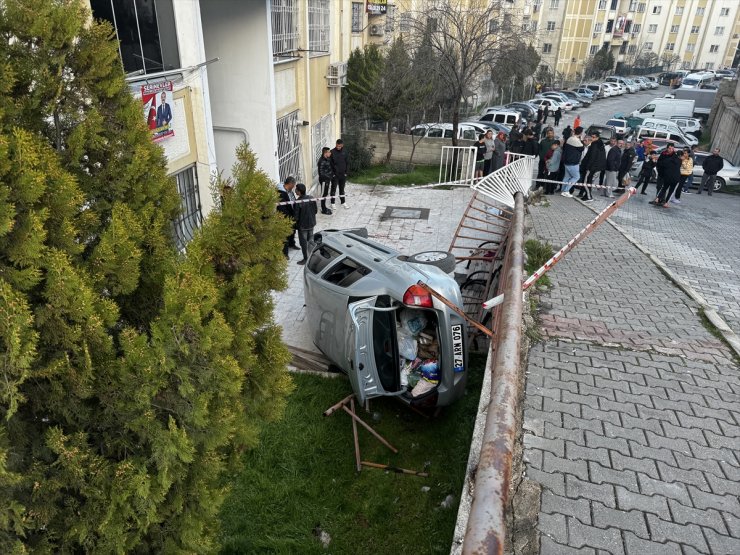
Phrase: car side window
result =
(435, 133)
(321, 258)
(448, 133)
(469, 134)
(648, 108)
(346, 272)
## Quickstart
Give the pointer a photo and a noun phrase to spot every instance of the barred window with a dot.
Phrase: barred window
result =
(636, 27)
(632, 49)
(284, 18)
(390, 19)
(594, 49)
(356, 17)
(289, 147)
(190, 217)
(648, 46)
(404, 25)
(550, 25)
(546, 48)
(641, 7)
(674, 28)
(319, 23)
(321, 136)
(602, 4)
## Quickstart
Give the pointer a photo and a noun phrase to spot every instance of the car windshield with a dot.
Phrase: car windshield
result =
(615, 122)
(690, 81)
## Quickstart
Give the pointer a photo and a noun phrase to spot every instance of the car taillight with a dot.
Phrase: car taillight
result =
(417, 296)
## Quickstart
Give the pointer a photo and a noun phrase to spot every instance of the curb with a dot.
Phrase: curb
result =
(730, 337)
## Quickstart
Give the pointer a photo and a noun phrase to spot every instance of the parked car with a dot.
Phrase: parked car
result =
(581, 99)
(586, 92)
(527, 110)
(469, 130)
(599, 90)
(728, 175)
(631, 85)
(369, 317)
(690, 126)
(671, 127)
(621, 82)
(671, 78)
(503, 116)
(559, 96)
(606, 132)
(653, 81)
(547, 103)
(697, 80)
(643, 83)
(613, 88)
(621, 126)
(657, 134)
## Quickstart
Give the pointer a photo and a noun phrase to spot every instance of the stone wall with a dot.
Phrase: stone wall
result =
(725, 125)
(428, 151)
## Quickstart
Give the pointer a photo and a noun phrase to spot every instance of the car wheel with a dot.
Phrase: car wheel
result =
(443, 260)
(718, 183)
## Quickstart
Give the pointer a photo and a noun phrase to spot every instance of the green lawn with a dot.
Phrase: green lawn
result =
(303, 475)
(384, 174)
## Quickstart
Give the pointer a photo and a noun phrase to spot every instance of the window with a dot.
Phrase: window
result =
(390, 19)
(432, 24)
(690, 47)
(534, 26)
(679, 10)
(594, 49)
(554, 4)
(598, 27)
(714, 48)
(632, 49)
(636, 27)
(719, 30)
(318, 27)
(547, 48)
(321, 258)
(648, 46)
(652, 28)
(550, 25)
(404, 25)
(602, 4)
(724, 11)
(623, 48)
(633, 6)
(146, 43)
(357, 17)
(493, 26)
(657, 9)
(674, 28)
(700, 11)
(627, 27)
(641, 7)
(346, 272)
(609, 25)
(709, 65)
(284, 18)
(190, 217)
(507, 21)
(614, 5)
(670, 45)
(695, 30)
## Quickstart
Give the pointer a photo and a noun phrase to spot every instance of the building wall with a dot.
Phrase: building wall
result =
(427, 152)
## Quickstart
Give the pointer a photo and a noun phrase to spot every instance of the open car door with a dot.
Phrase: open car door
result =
(363, 372)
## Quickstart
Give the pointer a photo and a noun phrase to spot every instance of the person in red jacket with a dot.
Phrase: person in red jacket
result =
(577, 122)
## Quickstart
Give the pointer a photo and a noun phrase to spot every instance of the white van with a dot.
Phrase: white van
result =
(665, 108)
(671, 127)
(696, 80)
(510, 118)
(621, 82)
(598, 90)
(650, 133)
(469, 131)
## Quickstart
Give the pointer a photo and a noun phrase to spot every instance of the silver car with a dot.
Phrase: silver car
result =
(362, 298)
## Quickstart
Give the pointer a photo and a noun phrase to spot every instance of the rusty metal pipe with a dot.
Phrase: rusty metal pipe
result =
(486, 529)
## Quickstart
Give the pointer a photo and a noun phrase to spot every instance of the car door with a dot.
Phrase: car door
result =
(363, 372)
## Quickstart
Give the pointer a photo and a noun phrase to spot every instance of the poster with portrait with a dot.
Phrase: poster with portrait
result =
(619, 27)
(158, 109)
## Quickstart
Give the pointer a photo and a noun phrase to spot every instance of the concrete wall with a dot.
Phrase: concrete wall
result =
(725, 125)
(428, 151)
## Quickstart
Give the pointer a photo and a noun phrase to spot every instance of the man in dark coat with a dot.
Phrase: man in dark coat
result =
(597, 159)
(305, 220)
(625, 164)
(669, 169)
(613, 160)
(530, 143)
(544, 148)
(712, 165)
(326, 178)
(340, 167)
(286, 194)
(567, 132)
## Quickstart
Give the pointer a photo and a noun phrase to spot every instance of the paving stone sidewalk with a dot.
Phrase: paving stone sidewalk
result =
(632, 408)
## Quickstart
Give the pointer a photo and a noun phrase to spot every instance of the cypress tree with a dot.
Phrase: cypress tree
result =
(132, 375)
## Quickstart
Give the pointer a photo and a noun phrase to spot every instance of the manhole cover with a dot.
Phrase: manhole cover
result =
(405, 213)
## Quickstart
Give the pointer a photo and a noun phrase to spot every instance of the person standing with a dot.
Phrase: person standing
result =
(625, 165)
(646, 172)
(545, 113)
(597, 160)
(687, 168)
(690, 181)
(558, 115)
(552, 166)
(326, 178)
(669, 169)
(567, 132)
(286, 194)
(500, 149)
(712, 165)
(340, 168)
(544, 150)
(585, 192)
(577, 121)
(539, 115)
(530, 143)
(613, 159)
(480, 155)
(490, 150)
(305, 219)
(572, 152)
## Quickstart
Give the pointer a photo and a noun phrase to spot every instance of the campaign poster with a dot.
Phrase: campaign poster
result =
(157, 100)
(376, 7)
(619, 27)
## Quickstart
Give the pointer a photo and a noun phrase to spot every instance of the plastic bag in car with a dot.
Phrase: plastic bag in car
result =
(413, 320)
(406, 344)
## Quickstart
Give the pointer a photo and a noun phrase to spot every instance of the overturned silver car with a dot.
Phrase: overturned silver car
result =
(370, 317)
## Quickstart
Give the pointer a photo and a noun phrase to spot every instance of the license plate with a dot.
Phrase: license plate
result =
(458, 360)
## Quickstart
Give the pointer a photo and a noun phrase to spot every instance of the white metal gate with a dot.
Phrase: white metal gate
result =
(289, 147)
(516, 176)
(457, 165)
(321, 136)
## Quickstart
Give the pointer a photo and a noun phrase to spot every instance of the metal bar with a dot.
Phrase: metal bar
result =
(486, 527)
(395, 469)
(369, 429)
(354, 434)
(454, 308)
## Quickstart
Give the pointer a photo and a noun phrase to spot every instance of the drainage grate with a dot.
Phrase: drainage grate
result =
(404, 213)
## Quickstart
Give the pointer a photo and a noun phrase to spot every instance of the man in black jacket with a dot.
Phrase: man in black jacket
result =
(340, 167)
(286, 195)
(669, 169)
(712, 165)
(625, 164)
(326, 178)
(305, 220)
(530, 143)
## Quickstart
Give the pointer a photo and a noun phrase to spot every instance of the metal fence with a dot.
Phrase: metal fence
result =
(289, 146)
(457, 165)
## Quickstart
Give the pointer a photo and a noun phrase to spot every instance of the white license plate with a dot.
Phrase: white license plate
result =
(458, 360)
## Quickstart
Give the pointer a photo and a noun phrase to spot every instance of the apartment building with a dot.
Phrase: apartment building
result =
(268, 72)
(685, 33)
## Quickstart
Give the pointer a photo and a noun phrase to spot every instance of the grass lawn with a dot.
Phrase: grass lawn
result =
(302, 476)
(384, 174)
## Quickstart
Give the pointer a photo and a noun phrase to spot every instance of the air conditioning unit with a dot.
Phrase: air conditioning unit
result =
(376, 30)
(337, 76)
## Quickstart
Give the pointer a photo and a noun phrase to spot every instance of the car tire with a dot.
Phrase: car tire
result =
(718, 184)
(443, 260)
